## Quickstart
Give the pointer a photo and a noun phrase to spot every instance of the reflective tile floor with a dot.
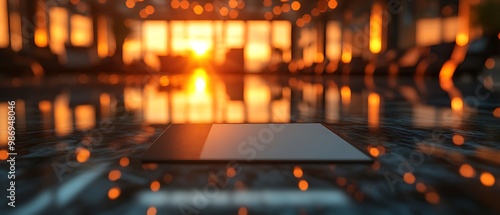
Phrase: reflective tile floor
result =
(80, 138)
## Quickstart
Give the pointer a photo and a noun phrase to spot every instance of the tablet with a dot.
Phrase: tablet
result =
(282, 142)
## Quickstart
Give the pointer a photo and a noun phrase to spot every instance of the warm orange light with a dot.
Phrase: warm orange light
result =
(102, 37)
(347, 47)
(297, 172)
(209, 7)
(233, 14)
(242, 211)
(376, 26)
(464, 10)
(4, 24)
(345, 93)
(267, 3)
(498, 36)
(462, 39)
(4, 154)
(232, 3)
(151, 211)
(114, 175)
(63, 123)
(114, 193)
(184, 4)
(155, 186)
(409, 178)
(124, 161)
(467, 171)
(490, 63)
(82, 155)
(307, 18)
(303, 185)
(285, 8)
(198, 9)
(81, 30)
(457, 104)
(332, 4)
(41, 39)
(374, 151)
(496, 112)
(200, 80)
(16, 31)
(487, 179)
(85, 117)
(149, 9)
(130, 4)
(458, 139)
(432, 197)
(420, 187)
(295, 5)
(230, 172)
(341, 181)
(223, 11)
(447, 70)
(277, 10)
(373, 109)
(175, 4)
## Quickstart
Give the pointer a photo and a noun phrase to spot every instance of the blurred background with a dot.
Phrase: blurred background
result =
(96, 81)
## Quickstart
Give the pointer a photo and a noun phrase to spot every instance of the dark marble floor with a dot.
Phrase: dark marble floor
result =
(80, 138)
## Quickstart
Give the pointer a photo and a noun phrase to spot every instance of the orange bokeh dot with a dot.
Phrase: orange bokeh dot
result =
(231, 172)
(374, 151)
(420, 187)
(409, 178)
(151, 211)
(209, 7)
(155, 186)
(277, 10)
(114, 193)
(150, 9)
(184, 4)
(242, 211)
(223, 11)
(114, 175)
(233, 14)
(285, 8)
(4, 154)
(303, 185)
(332, 4)
(487, 179)
(467, 171)
(268, 15)
(124, 161)
(432, 197)
(297, 172)
(496, 112)
(295, 5)
(82, 154)
(489, 63)
(458, 139)
(198, 9)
